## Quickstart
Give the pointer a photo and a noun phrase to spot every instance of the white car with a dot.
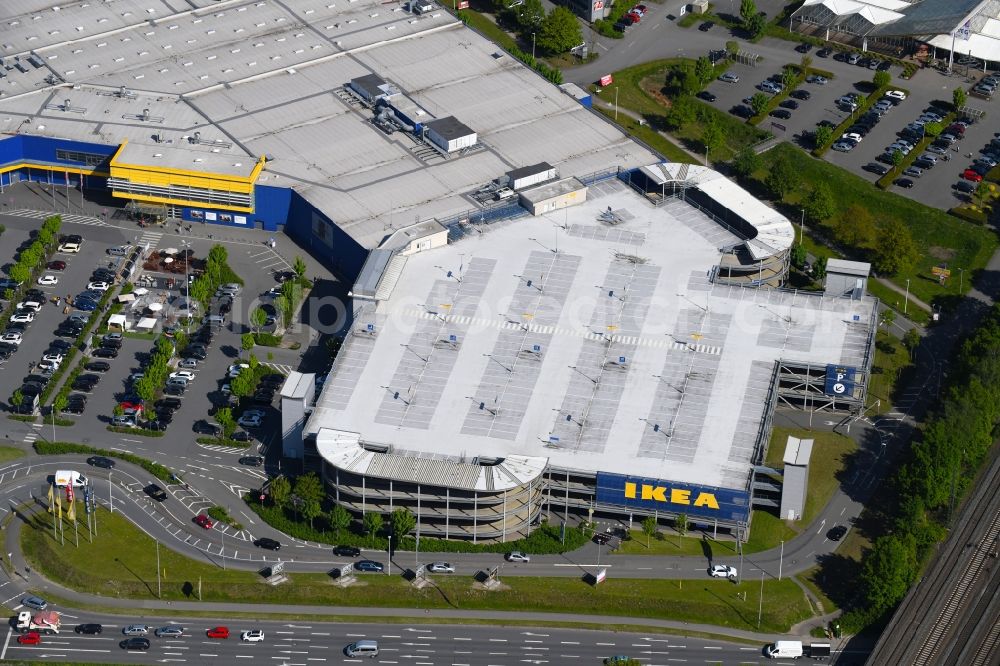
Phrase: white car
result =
(249, 421)
(817, 79)
(729, 77)
(54, 358)
(517, 556)
(98, 286)
(722, 571)
(70, 248)
(33, 306)
(11, 338)
(236, 369)
(852, 136)
(441, 567)
(895, 94)
(183, 374)
(252, 636)
(48, 280)
(23, 318)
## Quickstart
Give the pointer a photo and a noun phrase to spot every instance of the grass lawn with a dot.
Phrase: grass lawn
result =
(8, 453)
(939, 236)
(132, 573)
(662, 543)
(894, 300)
(649, 136)
(891, 358)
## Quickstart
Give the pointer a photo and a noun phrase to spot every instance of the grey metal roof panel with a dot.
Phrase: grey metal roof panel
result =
(524, 172)
(930, 17)
(843, 266)
(371, 272)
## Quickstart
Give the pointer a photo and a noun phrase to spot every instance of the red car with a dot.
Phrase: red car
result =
(218, 632)
(970, 174)
(204, 521)
(633, 17)
(57, 265)
(30, 638)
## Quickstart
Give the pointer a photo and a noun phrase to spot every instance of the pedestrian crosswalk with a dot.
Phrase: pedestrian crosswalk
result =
(283, 369)
(150, 239)
(32, 435)
(67, 218)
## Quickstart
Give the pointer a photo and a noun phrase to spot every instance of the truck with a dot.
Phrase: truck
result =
(819, 651)
(67, 477)
(44, 622)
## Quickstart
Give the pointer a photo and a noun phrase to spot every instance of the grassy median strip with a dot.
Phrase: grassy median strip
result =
(131, 573)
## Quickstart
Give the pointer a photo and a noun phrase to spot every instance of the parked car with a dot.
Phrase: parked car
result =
(913, 171)
(964, 186)
(56, 265)
(249, 421)
(905, 183)
(876, 168)
(729, 77)
(105, 352)
(706, 95)
(800, 94)
(97, 366)
(817, 79)
(972, 175)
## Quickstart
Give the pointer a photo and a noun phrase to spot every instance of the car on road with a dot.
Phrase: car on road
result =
(441, 567)
(252, 461)
(252, 636)
(729, 77)
(56, 265)
(135, 630)
(48, 280)
(170, 630)
(101, 461)
(905, 183)
(156, 492)
(837, 533)
(517, 556)
(30, 638)
(268, 544)
(370, 566)
(137, 643)
(968, 174)
(90, 628)
(218, 632)
(35, 602)
(722, 571)
(204, 521)
(706, 95)
(346, 551)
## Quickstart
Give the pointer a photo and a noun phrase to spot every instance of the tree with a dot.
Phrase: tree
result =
(819, 205)
(559, 32)
(253, 363)
(247, 341)
(683, 111)
(281, 491)
(958, 98)
(704, 70)
(339, 519)
(224, 417)
(933, 129)
(788, 76)
(881, 79)
(648, 528)
(403, 522)
(60, 403)
(258, 318)
(805, 63)
(819, 268)
(19, 273)
(528, 16)
(897, 158)
(712, 136)
(895, 250)
(822, 136)
(911, 340)
(118, 410)
(758, 103)
(746, 161)
(887, 571)
(242, 385)
(218, 255)
(145, 388)
(748, 9)
(799, 255)
(681, 523)
(299, 266)
(17, 399)
(856, 227)
(782, 178)
(755, 25)
(311, 509)
(372, 524)
(887, 317)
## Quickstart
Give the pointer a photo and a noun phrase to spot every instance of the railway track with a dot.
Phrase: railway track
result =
(952, 616)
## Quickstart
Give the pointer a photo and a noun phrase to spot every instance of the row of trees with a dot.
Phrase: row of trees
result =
(305, 497)
(554, 32)
(753, 20)
(939, 467)
(31, 257)
(217, 272)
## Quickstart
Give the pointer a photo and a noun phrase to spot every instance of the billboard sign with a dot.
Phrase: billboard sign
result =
(839, 380)
(607, 80)
(694, 500)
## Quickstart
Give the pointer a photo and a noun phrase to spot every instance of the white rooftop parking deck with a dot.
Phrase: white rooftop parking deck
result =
(600, 347)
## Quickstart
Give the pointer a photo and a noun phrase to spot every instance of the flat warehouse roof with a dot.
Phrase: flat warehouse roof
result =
(602, 348)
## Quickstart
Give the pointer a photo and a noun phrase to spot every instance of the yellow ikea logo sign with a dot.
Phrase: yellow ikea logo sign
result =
(676, 496)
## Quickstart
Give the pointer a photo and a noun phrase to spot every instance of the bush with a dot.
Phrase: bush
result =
(221, 515)
(223, 442)
(61, 448)
(977, 216)
(136, 431)
(267, 339)
(544, 540)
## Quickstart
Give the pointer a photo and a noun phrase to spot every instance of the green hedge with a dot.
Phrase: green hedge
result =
(61, 448)
(223, 442)
(136, 431)
(975, 216)
(772, 103)
(68, 384)
(267, 340)
(57, 375)
(219, 514)
(544, 540)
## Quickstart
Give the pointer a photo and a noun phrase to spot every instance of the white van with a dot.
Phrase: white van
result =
(362, 649)
(784, 649)
(67, 477)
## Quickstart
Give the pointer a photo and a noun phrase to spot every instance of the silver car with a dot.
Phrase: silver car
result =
(135, 630)
(729, 77)
(170, 630)
(440, 567)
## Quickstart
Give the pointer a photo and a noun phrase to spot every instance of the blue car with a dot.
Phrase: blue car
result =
(90, 295)
(85, 305)
(369, 566)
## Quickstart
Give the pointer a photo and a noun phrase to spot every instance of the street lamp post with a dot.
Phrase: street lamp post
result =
(159, 588)
(906, 302)
(532, 46)
(616, 102)
(961, 279)
(760, 604)
(389, 570)
(781, 558)
(111, 497)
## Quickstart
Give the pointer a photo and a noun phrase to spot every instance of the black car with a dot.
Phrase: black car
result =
(789, 104)
(706, 26)
(923, 164)
(707, 96)
(37, 379)
(370, 566)
(241, 436)
(101, 461)
(6, 352)
(168, 404)
(196, 351)
(174, 389)
(876, 168)
(103, 275)
(903, 182)
(964, 186)
(283, 276)
(135, 643)
(83, 385)
(601, 538)
(226, 308)
(263, 397)
(60, 346)
(29, 389)
(884, 66)
(782, 114)
(804, 48)
(269, 544)
(155, 424)
(35, 295)
(800, 94)
(742, 111)
(111, 343)
(253, 461)
(837, 533)
(347, 551)
(105, 352)
(164, 417)
(274, 379)
(824, 52)
(91, 628)
(64, 331)
(156, 492)
(98, 366)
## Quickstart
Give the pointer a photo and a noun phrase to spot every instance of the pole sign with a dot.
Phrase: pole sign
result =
(671, 496)
(839, 380)
(277, 568)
